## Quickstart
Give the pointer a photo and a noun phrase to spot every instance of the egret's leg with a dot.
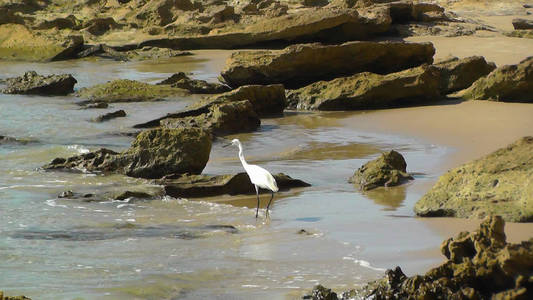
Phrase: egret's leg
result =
(268, 206)
(257, 194)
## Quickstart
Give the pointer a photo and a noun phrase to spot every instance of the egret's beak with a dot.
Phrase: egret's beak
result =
(227, 145)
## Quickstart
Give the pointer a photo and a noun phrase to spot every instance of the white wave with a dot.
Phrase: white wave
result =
(78, 148)
(52, 202)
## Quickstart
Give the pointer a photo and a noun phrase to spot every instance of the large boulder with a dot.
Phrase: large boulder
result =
(479, 265)
(458, 74)
(182, 81)
(125, 90)
(522, 24)
(510, 83)
(369, 91)
(17, 42)
(387, 170)
(318, 24)
(499, 183)
(35, 84)
(153, 154)
(299, 65)
(193, 186)
(264, 100)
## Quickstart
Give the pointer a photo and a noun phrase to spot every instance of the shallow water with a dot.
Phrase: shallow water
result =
(203, 248)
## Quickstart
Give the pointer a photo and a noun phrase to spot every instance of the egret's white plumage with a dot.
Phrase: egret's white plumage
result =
(259, 177)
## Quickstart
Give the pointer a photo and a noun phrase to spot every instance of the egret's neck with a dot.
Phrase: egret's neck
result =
(241, 156)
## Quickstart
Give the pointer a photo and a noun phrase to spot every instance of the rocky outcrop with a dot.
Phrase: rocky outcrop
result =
(9, 140)
(387, 170)
(317, 24)
(410, 11)
(17, 42)
(153, 154)
(182, 81)
(32, 83)
(499, 183)
(369, 91)
(193, 186)
(522, 24)
(111, 115)
(458, 74)
(125, 90)
(231, 112)
(299, 65)
(510, 83)
(480, 265)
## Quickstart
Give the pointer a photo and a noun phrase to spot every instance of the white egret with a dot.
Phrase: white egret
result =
(259, 177)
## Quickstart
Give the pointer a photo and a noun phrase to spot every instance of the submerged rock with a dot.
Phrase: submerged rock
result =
(131, 196)
(32, 83)
(457, 74)
(125, 90)
(510, 83)
(111, 115)
(195, 86)
(191, 186)
(153, 154)
(499, 183)
(480, 265)
(9, 140)
(298, 65)
(370, 91)
(387, 170)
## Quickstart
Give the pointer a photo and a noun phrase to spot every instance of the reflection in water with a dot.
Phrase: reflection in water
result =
(389, 197)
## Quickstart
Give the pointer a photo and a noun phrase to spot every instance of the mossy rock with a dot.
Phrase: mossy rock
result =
(500, 183)
(153, 154)
(387, 170)
(510, 83)
(125, 90)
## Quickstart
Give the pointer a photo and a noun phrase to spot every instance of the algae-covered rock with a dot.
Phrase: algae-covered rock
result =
(387, 170)
(231, 109)
(500, 183)
(480, 265)
(182, 81)
(125, 90)
(370, 91)
(32, 83)
(111, 115)
(457, 74)
(192, 186)
(298, 65)
(3, 297)
(9, 140)
(528, 34)
(17, 42)
(220, 119)
(522, 24)
(510, 83)
(153, 154)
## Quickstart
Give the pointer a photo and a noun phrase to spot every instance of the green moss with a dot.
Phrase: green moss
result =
(124, 90)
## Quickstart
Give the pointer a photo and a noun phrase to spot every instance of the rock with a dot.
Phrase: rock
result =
(480, 265)
(318, 24)
(182, 81)
(387, 170)
(125, 90)
(193, 186)
(99, 26)
(299, 65)
(3, 297)
(96, 105)
(103, 51)
(457, 74)
(111, 115)
(510, 83)
(153, 154)
(522, 24)
(220, 119)
(19, 43)
(264, 100)
(11, 140)
(408, 11)
(527, 34)
(35, 84)
(162, 12)
(132, 195)
(498, 183)
(127, 196)
(153, 53)
(369, 91)
(69, 22)
(322, 293)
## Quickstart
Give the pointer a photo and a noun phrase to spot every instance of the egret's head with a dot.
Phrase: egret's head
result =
(235, 142)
